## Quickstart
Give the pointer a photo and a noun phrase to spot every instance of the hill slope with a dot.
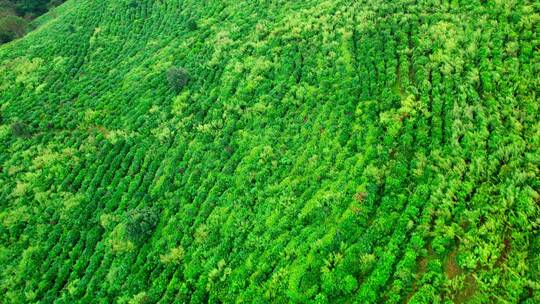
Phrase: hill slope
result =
(329, 151)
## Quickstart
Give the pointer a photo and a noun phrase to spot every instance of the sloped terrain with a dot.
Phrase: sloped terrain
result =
(320, 152)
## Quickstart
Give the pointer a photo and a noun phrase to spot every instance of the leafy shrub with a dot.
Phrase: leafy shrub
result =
(140, 298)
(175, 256)
(177, 78)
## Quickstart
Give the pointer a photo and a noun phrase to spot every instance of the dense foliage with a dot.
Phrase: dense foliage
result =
(28, 8)
(140, 224)
(11, 27)
(16, 14)
(322, 151)
(177, 78)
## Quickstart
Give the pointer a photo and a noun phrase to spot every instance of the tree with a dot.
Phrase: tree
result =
(12, 27)
(6, 8)
(140, 224)
(177, 78)
(31, 7)
(14, 15)
(20, 129)
(192, 24)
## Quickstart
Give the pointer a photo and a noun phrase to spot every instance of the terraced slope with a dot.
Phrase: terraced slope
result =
(321, 152)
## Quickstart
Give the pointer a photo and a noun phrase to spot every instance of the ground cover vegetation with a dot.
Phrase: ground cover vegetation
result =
(272, 152)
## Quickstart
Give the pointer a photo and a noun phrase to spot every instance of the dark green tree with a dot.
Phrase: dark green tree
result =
(192, 24)
(12, 27)
(140, 224)
(20, 129)
(177, 78)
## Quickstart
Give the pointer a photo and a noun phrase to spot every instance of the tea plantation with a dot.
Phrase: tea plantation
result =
(272, 151)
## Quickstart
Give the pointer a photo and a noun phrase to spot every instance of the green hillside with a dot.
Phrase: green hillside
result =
(250, 151)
